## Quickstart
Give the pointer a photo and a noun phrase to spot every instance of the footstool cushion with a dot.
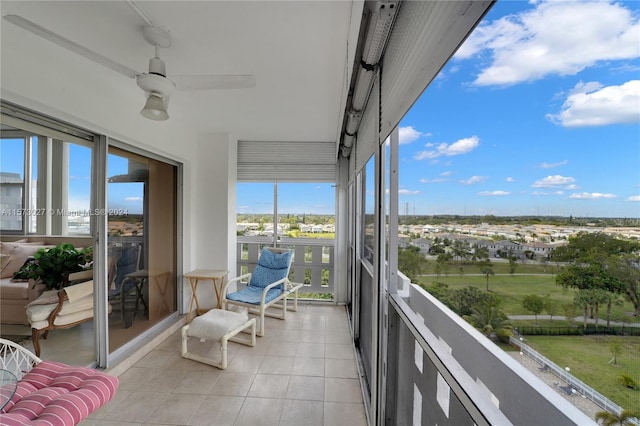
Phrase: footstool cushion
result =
(215, 324)
(220, 326)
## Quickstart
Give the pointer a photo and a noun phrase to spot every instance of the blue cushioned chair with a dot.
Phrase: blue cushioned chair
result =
(268, 286)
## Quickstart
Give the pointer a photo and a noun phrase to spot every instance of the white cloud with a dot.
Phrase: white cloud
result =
(591, 104)
(546, 165)
(435, 180)
(408, 134)
(547, 193)
(634, 198)
(555, 37)
(463, 146)
(473, 179)
(590, 196)
(493, 193)
(553, 182)
(510, 179)
(133, 199)
(447, 173)
(407, 192)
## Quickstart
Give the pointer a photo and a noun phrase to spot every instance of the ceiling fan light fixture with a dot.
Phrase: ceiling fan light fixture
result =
(155, 108)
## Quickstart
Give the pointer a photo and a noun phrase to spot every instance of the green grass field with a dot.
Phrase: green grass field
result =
(588, 358)
(512, 289)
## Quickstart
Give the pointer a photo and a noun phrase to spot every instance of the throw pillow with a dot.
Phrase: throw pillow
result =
(4, 260)
(46, 298)
(20, 253)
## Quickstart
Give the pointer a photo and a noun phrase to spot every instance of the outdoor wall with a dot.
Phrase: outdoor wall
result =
(520, 395)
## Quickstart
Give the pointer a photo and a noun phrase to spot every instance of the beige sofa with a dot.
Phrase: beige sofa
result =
(14, 295)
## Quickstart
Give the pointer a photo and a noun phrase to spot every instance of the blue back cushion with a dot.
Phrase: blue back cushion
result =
(271, 268)
(126, 264)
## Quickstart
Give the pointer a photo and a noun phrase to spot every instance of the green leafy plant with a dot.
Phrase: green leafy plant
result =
(627, 381)
(52, 266)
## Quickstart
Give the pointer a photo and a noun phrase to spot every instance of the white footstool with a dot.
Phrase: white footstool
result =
(220, 326)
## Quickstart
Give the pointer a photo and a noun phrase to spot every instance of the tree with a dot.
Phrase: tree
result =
(592, 277)
(488, 318)
(625, 269)
(550, 306)
(593, 248)
(479, 253)
(486, 268)
(440, 291)
(512, 264)
(583, 299)
(464, 299)
(443, 260)
(411, 262)
(615, 347)
(569, 310)
(460, 250)
(607, 262)
(606, 418)
(533, 303)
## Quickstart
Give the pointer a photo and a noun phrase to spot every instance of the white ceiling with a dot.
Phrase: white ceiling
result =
(300, 53)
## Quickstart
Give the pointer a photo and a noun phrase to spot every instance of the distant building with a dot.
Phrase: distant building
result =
(11, 185)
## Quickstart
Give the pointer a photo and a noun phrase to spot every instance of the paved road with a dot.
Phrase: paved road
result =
(578, 319)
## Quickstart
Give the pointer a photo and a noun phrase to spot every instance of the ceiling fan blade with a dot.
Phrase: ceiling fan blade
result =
(213, 82)
(69, 45)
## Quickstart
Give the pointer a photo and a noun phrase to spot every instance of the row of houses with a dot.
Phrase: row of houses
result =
(524, 233)
(267, 228)
(536, 250)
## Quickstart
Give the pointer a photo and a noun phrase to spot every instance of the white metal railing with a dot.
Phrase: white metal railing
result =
(572, 382)
(313, 260)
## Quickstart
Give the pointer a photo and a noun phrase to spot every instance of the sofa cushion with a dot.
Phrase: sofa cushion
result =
(58, 394)
(4, 259)
(19, 253)
(14, 290)
(42, 312)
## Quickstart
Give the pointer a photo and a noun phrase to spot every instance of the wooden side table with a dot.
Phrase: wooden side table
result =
(215, 275)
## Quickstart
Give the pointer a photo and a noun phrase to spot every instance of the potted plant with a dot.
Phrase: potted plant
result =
(52, 266)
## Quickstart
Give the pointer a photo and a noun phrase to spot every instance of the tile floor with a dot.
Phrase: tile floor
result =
(302, 372)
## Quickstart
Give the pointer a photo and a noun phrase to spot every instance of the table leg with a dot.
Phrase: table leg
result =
(194, 285)
(217, 287)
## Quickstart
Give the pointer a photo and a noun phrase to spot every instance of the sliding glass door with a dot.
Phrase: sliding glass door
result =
(142, 244)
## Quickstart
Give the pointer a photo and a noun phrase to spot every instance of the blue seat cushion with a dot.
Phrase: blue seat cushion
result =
(271, 267)
(252, 295)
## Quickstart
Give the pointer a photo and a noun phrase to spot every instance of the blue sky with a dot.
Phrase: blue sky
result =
(537, 113)
(125, 196)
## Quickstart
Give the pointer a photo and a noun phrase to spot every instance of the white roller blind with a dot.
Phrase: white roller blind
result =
(260, 161)
(423, 37)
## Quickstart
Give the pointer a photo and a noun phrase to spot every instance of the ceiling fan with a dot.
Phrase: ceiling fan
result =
(155, 83)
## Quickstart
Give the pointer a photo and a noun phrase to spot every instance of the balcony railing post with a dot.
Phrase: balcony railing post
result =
(310, 272)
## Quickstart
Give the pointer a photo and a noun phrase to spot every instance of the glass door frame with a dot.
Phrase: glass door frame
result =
(99, 202)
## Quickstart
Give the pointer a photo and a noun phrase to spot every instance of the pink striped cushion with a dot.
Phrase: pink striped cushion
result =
(53, 393)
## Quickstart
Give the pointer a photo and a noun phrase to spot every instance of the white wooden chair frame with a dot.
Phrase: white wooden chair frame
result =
(16, 359)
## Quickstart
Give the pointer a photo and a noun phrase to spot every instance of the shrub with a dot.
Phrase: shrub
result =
(503, 334)
(627, 381)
